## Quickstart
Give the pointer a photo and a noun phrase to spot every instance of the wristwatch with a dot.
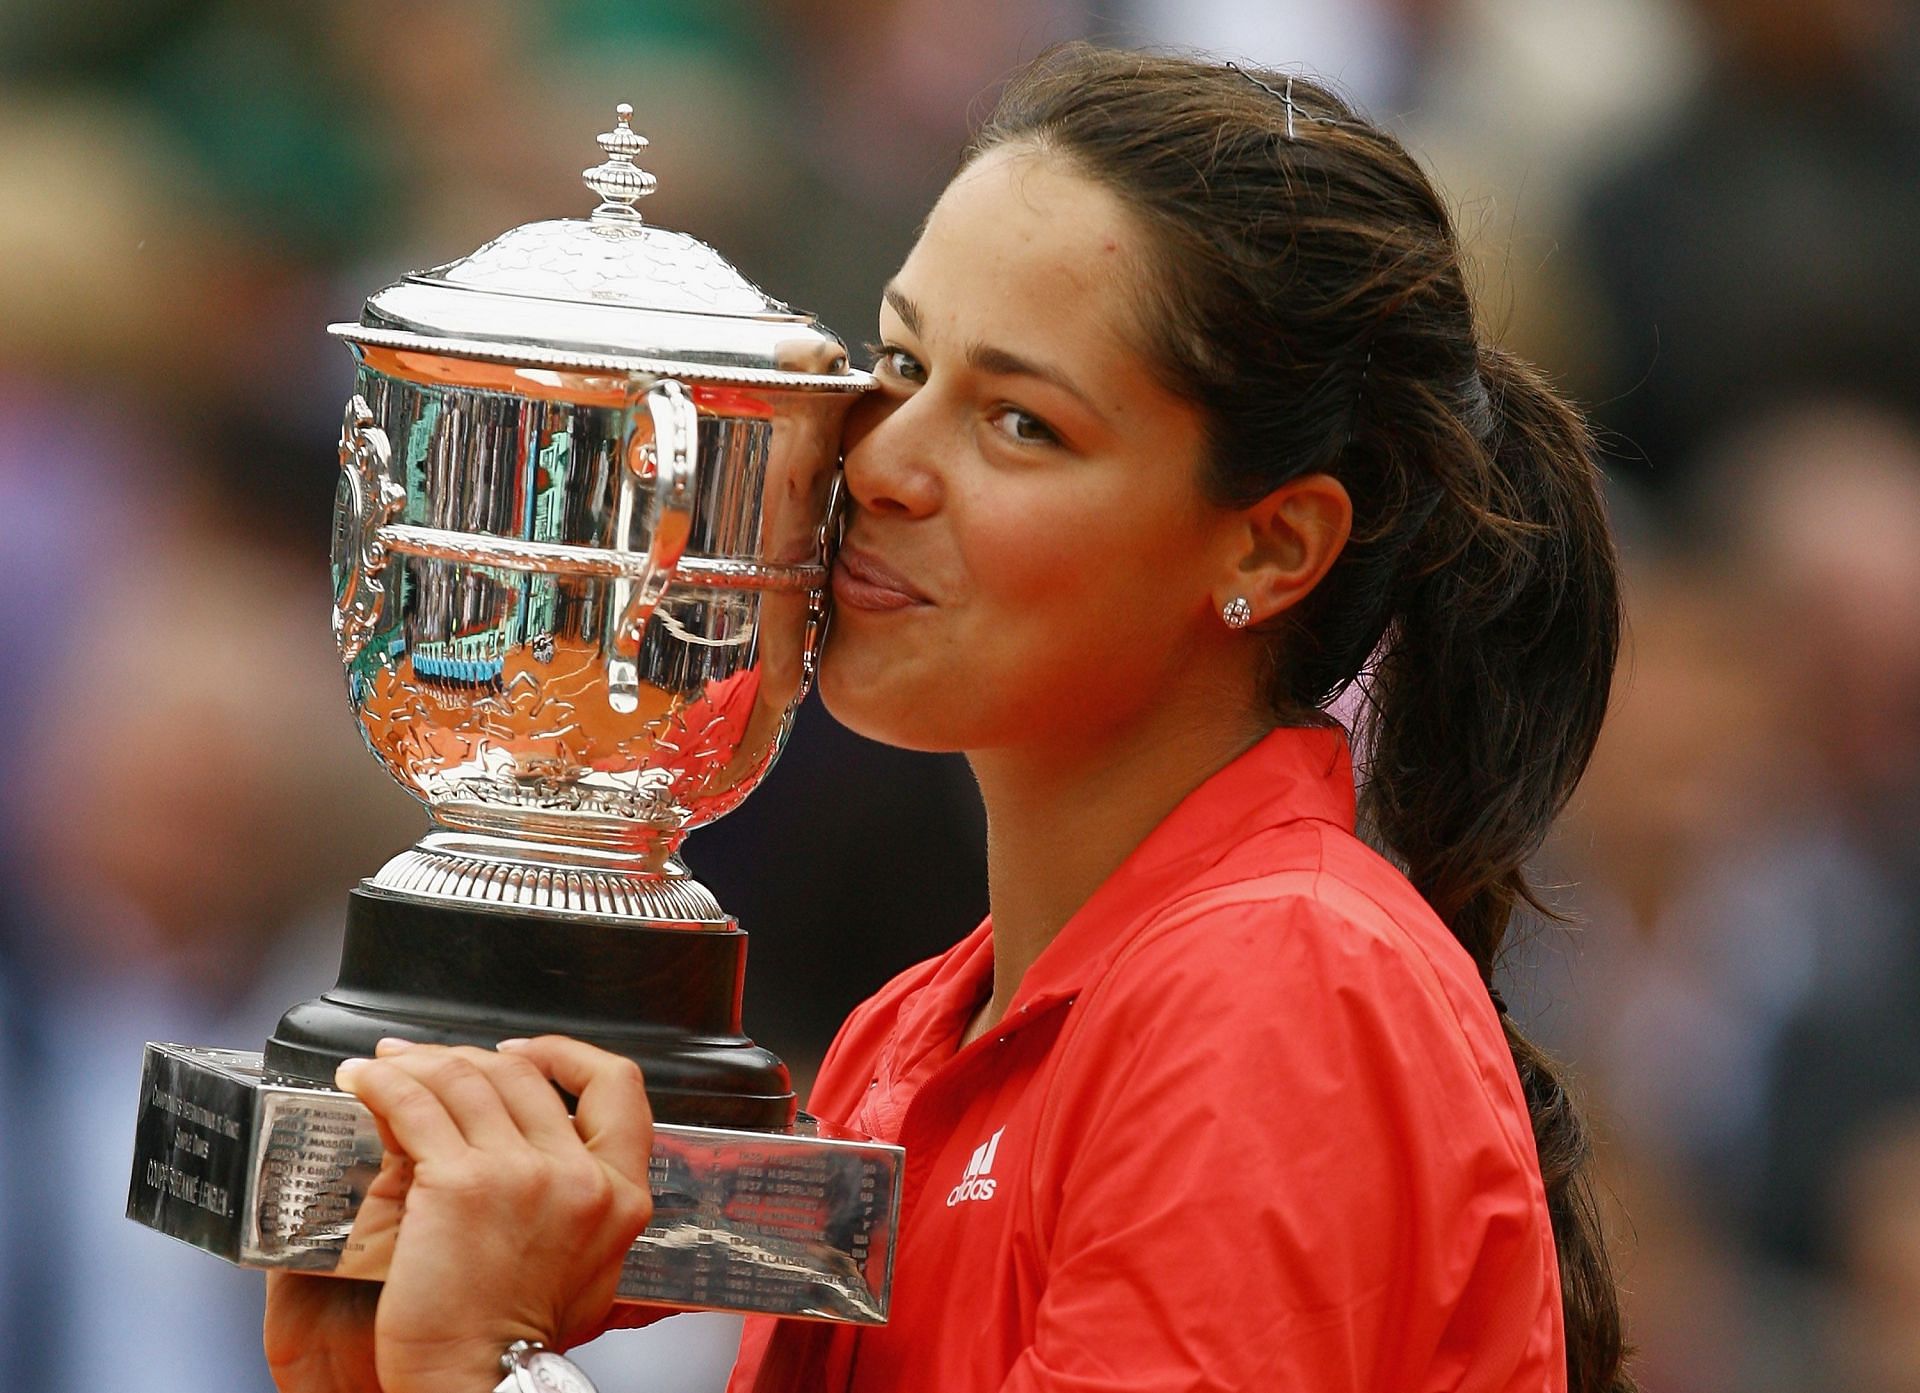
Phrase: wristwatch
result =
(533, 1368)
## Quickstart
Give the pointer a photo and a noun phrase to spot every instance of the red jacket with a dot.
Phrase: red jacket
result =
(1250, 1124)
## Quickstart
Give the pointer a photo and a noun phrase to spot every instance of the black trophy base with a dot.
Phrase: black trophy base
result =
(668, 999)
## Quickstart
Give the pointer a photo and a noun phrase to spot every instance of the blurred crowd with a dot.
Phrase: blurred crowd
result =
(1701, 215)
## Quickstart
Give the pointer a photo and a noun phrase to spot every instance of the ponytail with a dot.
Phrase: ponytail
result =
(1493, 679)
(1485, 705)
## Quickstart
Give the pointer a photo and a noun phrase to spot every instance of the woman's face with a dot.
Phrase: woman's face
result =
(1030, 558)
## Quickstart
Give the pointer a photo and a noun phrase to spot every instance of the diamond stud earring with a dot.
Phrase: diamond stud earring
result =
(1237, 612)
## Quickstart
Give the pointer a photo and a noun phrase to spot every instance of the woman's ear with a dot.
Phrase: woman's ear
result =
(1285, 543)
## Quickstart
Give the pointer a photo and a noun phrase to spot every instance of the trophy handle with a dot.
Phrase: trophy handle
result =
(671, 458)
(819, 611)
(369, 499)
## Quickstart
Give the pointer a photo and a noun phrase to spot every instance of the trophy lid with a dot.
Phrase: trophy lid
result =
(609, 292)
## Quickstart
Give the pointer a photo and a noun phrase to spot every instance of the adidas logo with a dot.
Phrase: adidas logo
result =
(977, 1184)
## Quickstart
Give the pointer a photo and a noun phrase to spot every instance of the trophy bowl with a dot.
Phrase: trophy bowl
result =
(587, 626)
(587, 498)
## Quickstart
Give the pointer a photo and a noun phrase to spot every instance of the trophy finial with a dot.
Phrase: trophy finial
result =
(619, 181)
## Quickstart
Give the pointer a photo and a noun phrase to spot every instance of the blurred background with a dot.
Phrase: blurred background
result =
(1700, 214)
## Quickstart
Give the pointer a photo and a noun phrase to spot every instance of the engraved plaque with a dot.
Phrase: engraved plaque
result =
(191, 1150)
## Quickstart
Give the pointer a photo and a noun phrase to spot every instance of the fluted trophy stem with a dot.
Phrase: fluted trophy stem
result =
(653, 888)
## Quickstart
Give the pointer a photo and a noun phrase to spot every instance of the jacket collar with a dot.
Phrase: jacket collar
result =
(1295, 773)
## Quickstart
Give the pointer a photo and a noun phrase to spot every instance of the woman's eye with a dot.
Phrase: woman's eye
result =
(889, 361)
(1028, 429)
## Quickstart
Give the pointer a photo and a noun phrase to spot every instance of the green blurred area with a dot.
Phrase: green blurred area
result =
(301, 149)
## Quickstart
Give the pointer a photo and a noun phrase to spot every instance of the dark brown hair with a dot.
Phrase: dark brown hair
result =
(1309, 294)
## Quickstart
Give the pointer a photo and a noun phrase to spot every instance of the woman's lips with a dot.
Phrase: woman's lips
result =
(863, 581)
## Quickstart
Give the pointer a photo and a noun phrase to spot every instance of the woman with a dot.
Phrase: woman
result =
(1183, 426)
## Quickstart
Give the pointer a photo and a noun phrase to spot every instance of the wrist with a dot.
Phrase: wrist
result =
(463, 1366)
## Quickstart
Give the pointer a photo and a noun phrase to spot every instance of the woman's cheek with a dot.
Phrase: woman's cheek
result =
(1025, 554)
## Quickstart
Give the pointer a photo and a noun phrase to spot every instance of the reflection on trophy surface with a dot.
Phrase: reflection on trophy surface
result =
(587, 495)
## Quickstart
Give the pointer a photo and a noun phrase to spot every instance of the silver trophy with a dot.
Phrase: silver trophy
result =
(588, 493)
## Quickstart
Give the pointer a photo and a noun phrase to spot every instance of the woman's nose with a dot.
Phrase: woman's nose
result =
(888, 467)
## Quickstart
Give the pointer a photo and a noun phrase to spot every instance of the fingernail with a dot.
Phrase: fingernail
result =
(343, 1076)
(392, 1044)
(514, 1044)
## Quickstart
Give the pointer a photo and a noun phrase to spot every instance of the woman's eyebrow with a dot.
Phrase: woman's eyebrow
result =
(986, 358)
(908, 311)
(983, 357)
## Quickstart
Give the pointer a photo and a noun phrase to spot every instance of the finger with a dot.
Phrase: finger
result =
(529, 1096)
(412, 1118)
(465, 1090)
(612, 1117)
(395, 1176)
(389, 1143)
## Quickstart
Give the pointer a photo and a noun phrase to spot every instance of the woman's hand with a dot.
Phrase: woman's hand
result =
(319, 1334)
(517, 1216)
(319, 1330)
